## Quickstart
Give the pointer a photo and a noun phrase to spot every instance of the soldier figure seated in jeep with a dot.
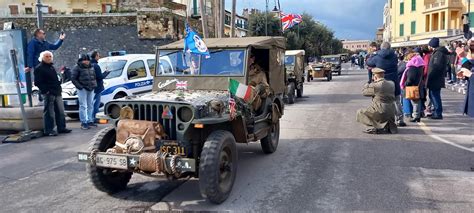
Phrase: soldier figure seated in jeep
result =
(190, 124)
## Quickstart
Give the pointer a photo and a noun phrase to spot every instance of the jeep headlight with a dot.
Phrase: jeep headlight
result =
(185, 114)
(113, 111)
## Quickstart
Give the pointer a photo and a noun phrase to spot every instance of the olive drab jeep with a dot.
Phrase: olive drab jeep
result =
(189, 125)
(320, 69)
(335, 61)
(294, 65)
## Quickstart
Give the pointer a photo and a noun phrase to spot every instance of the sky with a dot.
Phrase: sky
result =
(349, 19)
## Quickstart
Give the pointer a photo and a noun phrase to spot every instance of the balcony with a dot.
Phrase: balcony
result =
(443, 4)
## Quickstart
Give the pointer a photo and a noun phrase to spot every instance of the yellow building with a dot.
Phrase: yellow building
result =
(414, 22)
(23, 7)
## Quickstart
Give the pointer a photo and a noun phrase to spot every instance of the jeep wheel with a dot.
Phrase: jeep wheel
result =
(291, 93)
(107, 180)
(218, 166)
(299, 92)
(270, 142)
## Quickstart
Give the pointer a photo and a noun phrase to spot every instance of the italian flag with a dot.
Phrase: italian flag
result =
(240, 90)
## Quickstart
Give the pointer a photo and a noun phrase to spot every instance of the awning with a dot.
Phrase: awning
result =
(425, 41)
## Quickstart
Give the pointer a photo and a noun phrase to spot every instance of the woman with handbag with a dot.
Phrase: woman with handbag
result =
(412, 83)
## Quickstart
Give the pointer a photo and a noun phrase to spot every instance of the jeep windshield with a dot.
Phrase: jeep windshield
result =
(332, 59)
(114, 67)
(220, 63)
(290, 60)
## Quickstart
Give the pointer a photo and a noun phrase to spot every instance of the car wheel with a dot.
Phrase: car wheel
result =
(299, 92)
(218, 166)
(73, 115)
(291, 93)
(107, 180)
(270, 142)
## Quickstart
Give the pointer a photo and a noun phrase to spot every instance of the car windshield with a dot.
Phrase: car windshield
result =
(332, 59)
(220, 62)
(290, 60)
(114, 67)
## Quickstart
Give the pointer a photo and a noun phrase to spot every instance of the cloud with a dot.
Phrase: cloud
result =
(349, 19)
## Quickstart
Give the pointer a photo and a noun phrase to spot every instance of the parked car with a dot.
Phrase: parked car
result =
(129, 75)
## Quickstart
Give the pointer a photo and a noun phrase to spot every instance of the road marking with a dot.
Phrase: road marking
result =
(430, 133)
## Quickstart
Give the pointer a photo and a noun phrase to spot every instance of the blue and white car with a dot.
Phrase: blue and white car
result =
(129, 75)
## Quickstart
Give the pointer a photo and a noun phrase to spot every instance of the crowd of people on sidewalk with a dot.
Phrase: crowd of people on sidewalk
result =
(413, 79)
(86, 76)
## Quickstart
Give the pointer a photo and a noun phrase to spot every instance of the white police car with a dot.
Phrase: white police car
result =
(129, 74)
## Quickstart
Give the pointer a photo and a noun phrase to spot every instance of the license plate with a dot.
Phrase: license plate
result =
(111, 161)
(71, 102)
(173, 148)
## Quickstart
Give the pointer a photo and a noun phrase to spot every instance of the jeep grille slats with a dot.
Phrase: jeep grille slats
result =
(154, 112)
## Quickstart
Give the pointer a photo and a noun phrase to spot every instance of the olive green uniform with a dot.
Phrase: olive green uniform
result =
(259, 83)
(381, 113)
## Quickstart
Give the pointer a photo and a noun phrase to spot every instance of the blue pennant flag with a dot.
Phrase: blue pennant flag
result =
(193, 43)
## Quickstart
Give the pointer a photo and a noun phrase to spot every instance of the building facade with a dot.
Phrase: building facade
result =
(241, 25)
(379, 35)
(414, 22)
(355, 45)
(26, 7)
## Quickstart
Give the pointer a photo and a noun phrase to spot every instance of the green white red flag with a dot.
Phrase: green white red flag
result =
(240, 90)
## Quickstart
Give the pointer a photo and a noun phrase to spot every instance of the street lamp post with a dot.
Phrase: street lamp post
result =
(39, 14)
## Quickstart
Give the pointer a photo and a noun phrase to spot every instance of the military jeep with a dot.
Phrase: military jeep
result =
(335, 61)
(320, 69)
(189, 125)
(294, 65)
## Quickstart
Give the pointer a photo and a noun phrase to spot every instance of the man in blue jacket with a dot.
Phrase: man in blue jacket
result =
(95, 56)
(387, 60)
(37, 45)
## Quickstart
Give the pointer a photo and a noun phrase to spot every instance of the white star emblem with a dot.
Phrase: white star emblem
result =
(133, 162)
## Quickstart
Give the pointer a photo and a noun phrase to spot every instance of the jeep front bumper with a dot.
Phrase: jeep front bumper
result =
(145, 162)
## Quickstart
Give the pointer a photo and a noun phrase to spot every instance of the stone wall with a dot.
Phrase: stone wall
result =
(163, 25)
(104, 33)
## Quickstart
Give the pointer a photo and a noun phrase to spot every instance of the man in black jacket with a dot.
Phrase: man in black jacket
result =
(49, 83)
(437, 69)
(83, 77)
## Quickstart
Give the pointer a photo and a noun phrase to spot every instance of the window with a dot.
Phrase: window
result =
(136, 70)
(114, 67)
(28, 10)
(413, 5)
(151, 66)
(402, 7)
(402, 30)
(413, 27)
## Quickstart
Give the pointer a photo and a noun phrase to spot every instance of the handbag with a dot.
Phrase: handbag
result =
(413, 92)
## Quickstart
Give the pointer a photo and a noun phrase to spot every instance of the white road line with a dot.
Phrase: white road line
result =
(430, 133)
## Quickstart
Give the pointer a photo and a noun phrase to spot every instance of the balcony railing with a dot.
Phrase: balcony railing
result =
(443, 4)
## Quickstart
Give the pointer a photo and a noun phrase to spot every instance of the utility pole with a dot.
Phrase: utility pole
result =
(222, 18)
(39, 14)
(205, 30)
(232, 20)
(266, 17)
(215, 15)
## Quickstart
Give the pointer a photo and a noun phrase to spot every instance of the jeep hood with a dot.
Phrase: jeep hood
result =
(192, 97)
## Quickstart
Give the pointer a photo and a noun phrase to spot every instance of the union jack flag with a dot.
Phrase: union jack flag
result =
(182, 85)
(290, 20)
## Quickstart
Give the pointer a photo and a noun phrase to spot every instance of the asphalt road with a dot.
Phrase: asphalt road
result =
(323, 163)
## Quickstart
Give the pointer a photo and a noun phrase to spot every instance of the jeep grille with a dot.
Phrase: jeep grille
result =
(154, 112)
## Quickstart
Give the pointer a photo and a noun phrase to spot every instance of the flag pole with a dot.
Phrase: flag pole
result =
(279, 16)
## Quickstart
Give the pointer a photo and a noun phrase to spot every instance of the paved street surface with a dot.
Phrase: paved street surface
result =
(323, 163)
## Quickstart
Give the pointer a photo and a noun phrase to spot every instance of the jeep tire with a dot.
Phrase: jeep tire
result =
(270, 142)
(218, 166)
(104, 179)
(291, 93)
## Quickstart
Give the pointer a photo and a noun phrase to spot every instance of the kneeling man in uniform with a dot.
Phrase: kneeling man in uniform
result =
(379, 117)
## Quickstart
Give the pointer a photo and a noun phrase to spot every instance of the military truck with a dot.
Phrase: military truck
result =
(189, 125)
(294, 65)
(336, 62)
